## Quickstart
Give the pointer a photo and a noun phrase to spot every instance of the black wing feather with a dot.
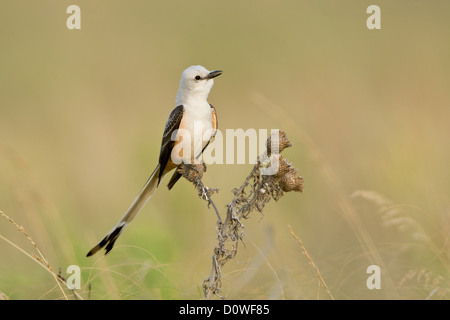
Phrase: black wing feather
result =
(173, 124)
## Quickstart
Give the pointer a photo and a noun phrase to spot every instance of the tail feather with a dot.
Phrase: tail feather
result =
(175, 177)
(107, 241)
(140, 201)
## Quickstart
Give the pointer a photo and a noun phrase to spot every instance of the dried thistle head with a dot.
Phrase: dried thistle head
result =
(283, 168)
(291, 182)
(277, 142)
(192, 172)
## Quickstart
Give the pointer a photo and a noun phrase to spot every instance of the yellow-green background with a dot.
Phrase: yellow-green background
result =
(81, 117)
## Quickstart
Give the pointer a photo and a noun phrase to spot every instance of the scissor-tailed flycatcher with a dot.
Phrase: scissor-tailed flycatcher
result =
(192, 113)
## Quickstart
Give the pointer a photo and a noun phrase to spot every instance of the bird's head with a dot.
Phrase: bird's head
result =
(196, 82)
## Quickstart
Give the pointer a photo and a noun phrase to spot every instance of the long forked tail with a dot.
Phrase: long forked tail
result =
(145, 194)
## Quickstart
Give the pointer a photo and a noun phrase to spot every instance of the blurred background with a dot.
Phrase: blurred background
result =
(367, 111)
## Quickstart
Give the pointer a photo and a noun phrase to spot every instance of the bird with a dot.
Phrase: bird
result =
(193, 117)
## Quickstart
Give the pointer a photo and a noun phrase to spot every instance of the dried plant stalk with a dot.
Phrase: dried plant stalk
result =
(40, 259)
(255, 192)
(311, 262)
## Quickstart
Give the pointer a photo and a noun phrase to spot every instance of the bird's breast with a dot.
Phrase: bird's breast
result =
(197, 118)
(195, 131)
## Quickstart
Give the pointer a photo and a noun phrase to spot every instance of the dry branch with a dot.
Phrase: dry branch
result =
(254, 193)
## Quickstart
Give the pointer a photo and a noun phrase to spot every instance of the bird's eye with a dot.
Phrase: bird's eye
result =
(197, 77)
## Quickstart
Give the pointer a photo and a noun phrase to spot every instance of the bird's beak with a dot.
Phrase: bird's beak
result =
(214, 74)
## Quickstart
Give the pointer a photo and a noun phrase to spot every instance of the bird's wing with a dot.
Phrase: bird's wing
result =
(173, 124)
(215, 124)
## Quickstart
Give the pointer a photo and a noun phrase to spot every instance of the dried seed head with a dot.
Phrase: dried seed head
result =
(291, 182)
(283, 168)
(191, 171)
(277, 142)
